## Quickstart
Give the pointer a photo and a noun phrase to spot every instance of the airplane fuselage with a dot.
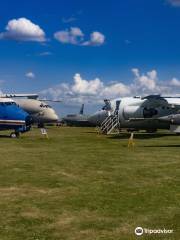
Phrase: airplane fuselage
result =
(13, 117)
(79, 120)
(38, 110)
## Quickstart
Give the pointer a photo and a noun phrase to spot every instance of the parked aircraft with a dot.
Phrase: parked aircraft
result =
(98, 117)
(40, 111)
(12, 117)
(80, 119)
(140, 113)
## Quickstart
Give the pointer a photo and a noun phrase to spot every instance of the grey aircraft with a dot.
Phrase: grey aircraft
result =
(140, 113)
(80, 120)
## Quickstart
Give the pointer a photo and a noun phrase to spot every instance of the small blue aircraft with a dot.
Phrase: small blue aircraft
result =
(13, 117)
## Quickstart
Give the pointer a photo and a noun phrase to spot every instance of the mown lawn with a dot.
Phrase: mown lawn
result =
(81, 185)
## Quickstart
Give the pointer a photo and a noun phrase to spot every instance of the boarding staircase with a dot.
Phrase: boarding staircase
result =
(111, 122)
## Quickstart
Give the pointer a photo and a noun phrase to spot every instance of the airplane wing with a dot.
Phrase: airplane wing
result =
(30, 96)
(50, 100)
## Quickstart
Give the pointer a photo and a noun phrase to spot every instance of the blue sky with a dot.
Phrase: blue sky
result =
(102, 40)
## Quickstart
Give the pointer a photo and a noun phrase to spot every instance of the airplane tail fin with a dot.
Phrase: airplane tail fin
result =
(82, 109)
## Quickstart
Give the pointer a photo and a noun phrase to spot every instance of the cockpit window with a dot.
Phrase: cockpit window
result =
(45, 106)
(7, 103)
(10, 103)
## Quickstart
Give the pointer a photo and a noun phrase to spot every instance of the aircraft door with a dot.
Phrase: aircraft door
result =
(117, 107)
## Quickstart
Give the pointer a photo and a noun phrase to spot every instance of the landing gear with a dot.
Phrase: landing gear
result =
(15, 135)
(40, 125)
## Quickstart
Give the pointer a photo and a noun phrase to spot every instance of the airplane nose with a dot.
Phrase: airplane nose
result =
(93, 119)
(98, 117)
(55, 117)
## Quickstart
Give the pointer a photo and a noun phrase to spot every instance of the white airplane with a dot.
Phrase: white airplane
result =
(140, 113)
(40, 112)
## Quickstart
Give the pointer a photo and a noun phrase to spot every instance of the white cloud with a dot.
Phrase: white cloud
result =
(145, 81)
(174, 3)
(75, 36)
(149, 83)
(115, 90)
(96, 39)
(85, 87)
(23, 29)
(94, 91)
(75, 31)
(175, 82)
(82, 90)
(30, 75)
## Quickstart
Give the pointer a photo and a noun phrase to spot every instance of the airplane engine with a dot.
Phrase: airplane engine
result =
(133, 112)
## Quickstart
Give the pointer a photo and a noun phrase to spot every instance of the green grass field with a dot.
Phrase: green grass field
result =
(78, 185)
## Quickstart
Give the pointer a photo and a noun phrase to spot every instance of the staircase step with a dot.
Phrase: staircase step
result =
(109, 124)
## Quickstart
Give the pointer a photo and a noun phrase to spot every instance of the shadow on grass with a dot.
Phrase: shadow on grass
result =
(163, 146)
(141, 135)
(95, 132)
(5, 136)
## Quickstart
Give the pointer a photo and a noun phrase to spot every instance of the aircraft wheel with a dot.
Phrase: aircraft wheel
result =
(14, 135)
(40, 125)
